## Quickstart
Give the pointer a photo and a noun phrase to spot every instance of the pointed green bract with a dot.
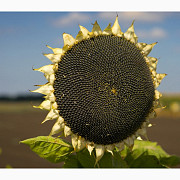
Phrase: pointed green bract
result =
(53, 149)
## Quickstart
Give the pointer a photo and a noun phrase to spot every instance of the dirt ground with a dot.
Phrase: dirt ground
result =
(20, 121)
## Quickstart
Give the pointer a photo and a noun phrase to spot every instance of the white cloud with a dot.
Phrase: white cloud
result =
(70, 19)
(143, 16)
(127, 17)
(155, 32)
(138, 16)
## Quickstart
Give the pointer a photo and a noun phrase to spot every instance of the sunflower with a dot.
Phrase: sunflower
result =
(101, 88)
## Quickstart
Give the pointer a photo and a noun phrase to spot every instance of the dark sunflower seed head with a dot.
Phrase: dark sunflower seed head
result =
(104, 89)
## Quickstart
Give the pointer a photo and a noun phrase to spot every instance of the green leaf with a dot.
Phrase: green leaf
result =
(171, 161)
(152, 153)
(72, 162)
(117, 161)
(124, 152)
(146, 161)
(53, 149)
(151, 148)
(85, 159)
(106, 161)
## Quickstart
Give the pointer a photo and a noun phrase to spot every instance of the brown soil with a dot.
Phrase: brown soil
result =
(16, 126)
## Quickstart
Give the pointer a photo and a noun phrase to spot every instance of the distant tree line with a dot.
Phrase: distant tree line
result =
(22, 98)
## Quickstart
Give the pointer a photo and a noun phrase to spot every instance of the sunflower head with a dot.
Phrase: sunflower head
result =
(101, 88)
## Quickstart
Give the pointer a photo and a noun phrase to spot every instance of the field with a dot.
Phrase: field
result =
(19, 121)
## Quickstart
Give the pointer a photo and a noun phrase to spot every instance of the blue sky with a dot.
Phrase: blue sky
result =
(24, 35)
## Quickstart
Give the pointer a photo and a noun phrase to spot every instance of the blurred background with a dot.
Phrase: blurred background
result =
(23, 39)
